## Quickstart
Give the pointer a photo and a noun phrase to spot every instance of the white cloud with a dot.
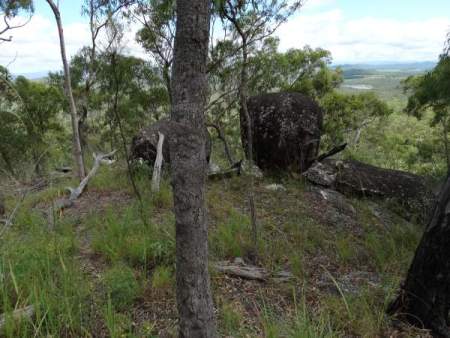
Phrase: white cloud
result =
(366, 39)
(35, 47)
(314, 4)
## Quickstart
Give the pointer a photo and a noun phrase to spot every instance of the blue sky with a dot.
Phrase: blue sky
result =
(355, 31)
(353, 9)
(70, 10)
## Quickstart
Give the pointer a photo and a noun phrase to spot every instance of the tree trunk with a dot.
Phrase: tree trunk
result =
(244, 110)
(446, 145)
(78, 155)
(424, 298)
(221, 136)
(8, 163)
(188, 167)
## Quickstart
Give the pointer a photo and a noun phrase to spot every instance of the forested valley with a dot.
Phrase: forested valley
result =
(223, 186)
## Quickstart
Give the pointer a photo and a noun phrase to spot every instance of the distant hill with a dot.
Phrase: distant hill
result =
(32, 75)
(392, 66)
(354, 71)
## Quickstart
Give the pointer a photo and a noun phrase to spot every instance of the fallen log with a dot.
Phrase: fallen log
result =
(98, 159)
(75, 193)
(244, 271)
(251, 272)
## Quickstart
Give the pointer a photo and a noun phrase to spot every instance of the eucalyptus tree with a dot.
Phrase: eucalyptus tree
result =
(100, 14)
(432, 92)
(347, 115)
(12, 132)
(77, 151)
(10, 10)
(39, 113)
(158, 33)
(188, 168)
(250, 22)
(29, 112)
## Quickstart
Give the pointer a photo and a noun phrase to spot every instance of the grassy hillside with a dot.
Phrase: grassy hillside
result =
(106, 267)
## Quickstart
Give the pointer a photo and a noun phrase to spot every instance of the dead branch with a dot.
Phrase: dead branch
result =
(242, 271)
(331, 152)
(9, 221)
(65, 203)
(156, 179)
(17, 315)
(98, 159)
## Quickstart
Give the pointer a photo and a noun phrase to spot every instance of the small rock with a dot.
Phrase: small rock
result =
(239, 261)
(213, 168)
(338, 201)
(275, 187)
(255, 171)
(321, 174)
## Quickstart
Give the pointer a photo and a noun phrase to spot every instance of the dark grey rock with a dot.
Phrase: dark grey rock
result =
(286, 130)
(145, 142)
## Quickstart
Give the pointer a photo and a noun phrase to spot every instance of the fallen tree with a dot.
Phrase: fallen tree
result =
(75, 193)
(239, 269)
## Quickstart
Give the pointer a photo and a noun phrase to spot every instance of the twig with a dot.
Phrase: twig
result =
(99, 159)
(10, 219)
(19, 314)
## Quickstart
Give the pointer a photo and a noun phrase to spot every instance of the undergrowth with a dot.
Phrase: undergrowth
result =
(39, 266)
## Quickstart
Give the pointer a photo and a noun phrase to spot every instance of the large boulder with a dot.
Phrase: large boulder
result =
(286, 130)
(143, 145)
(354, 178)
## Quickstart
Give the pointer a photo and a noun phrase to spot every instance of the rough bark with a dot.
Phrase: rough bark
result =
(286, 131)
(77, 151)
(424, 297)
(188, 167)
(446, 144)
